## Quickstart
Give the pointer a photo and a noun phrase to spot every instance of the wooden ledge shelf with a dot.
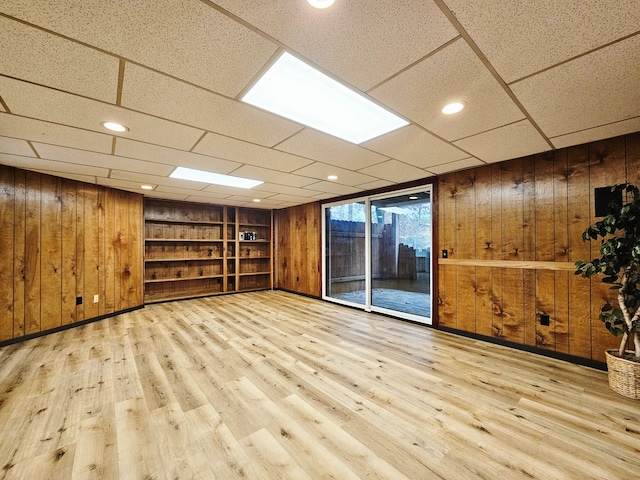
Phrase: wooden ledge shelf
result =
(521, 264)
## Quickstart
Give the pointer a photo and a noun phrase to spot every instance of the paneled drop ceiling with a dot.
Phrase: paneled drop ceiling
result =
(534, 75)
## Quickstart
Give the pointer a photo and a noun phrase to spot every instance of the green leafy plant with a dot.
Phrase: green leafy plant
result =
(619, 262)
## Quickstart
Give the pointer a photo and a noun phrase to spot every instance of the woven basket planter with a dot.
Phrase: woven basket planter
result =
(624, 376)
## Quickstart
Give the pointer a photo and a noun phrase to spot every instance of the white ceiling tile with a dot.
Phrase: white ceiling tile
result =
(324, 196)
(54, 152)
(597, 133)
(375, 184)
(30, 163)
(333, 189)
(187, 192)
(228, 191)
(122, 185)
(69, 176)
(244, 152)
(248, 199)
(520, 38)
(16, 146)
(214, 201)
(453, 73)
(593, 90)
(147, 179)
(321, 171)
(167, 196)
(272, 188)
(271, 205)
(30, 129)
(396, 171)
(166, 97)
(504, 143)
(58, 107)
(171, 156)
(273, 176)
(189, 40)
(416, 147)
(361, 41)
(281, 197)
(327, 149)
(47, 59)
(454, 166)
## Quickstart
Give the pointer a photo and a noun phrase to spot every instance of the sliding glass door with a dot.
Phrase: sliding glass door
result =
(378, 253)
(346, 253)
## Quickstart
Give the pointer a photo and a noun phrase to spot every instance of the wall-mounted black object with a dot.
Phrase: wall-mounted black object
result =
(544, 319)
(445, 253)
(78, 300)
(603, 197)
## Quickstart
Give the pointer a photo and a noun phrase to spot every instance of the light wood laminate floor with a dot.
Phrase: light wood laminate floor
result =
(270, 385)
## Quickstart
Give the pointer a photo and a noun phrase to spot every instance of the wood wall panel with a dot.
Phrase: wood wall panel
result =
(483, 250)
(19, 252)
(531, 210)
(298, 261)
(51, 267)
(69, 254)
(33, 238)
(56, 244)
(7, 215)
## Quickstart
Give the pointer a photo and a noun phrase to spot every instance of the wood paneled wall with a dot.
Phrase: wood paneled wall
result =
(513, 231)
(298, 245)
(62, 239)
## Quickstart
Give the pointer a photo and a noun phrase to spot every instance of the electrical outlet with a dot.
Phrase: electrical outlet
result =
(96, 298)
(78, 300)
(445, 253)
(544, 319)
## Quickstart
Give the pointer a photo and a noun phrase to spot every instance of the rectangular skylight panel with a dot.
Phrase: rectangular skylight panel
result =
(294, 90)
(213, 178)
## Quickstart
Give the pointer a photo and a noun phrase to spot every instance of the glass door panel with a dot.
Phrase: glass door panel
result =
(401, 255)
(345, 253)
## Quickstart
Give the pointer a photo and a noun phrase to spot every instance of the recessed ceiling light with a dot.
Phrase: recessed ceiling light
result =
(332, 177)
(257, 200)
(299, 92)
(320, 3)
(115, 127)
(146, 187)
(213, 178)
(452, 108)
(413, 197)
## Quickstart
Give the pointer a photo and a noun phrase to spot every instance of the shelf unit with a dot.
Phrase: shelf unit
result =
(194, 250)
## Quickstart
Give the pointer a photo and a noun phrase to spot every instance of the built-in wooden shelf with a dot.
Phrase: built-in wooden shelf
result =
(194, 250)
(152, 260)
(181, 279)
(199, 240)
(185, 222)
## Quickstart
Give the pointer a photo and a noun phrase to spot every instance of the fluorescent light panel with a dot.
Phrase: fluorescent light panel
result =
(213, 178)
(294, 90)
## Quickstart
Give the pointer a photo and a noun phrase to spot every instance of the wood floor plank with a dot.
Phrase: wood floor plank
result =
(270, 385)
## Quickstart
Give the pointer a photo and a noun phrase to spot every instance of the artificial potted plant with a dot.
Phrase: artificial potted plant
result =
(619, 262)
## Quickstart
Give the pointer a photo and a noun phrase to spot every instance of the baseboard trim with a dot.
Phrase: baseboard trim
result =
(61, 328)
(527, 348)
